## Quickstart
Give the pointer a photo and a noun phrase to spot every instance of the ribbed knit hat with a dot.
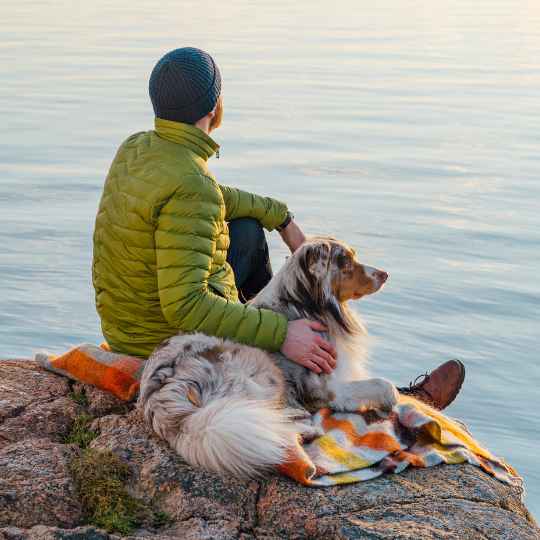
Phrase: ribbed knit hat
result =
(184, 85)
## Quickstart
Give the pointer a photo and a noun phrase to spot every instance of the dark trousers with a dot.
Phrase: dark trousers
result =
(248, 257)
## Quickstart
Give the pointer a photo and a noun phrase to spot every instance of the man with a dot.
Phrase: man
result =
(176, 251)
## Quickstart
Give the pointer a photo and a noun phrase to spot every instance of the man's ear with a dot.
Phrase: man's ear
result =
(216, 114)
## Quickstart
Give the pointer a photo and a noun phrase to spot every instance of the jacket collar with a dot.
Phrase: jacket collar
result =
(187, 135)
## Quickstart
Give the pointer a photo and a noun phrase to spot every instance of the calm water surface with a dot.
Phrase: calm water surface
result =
(411, 130)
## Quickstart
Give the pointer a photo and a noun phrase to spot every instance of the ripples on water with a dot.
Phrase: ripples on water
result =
(410, 130)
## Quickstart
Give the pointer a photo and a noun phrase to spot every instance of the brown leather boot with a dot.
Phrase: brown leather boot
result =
(440, 387)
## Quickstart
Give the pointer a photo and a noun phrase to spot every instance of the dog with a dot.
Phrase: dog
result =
(235, 409)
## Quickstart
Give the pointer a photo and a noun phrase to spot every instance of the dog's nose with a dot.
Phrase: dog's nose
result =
(381, 275)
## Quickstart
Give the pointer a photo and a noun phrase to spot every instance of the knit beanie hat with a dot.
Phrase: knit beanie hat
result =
(184, 85)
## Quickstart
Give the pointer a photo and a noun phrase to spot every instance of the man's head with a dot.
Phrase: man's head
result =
(185, 86)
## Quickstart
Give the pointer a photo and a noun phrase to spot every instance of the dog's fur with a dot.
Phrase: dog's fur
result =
(235, 409)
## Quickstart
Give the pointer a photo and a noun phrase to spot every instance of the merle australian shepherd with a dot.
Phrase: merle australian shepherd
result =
(235, 409)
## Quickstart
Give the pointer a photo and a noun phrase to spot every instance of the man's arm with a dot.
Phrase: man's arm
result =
(270, 212)
(185, 240)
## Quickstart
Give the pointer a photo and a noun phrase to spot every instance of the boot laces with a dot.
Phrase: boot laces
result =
(424, 377)
(417, 386)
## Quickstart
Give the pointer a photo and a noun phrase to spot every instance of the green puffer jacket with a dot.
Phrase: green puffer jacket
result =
(160, 246)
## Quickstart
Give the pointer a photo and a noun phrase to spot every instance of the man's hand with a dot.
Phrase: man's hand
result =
(305, 347)
(293, 236)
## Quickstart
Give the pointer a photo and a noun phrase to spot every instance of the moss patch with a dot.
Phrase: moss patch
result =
(79, 397)
(161, 519)
(80, 432)
(100, 477)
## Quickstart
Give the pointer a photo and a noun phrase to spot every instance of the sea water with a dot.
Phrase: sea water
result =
(409, 129)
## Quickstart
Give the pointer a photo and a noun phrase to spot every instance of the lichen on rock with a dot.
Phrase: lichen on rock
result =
(100, 479)
(45, 421)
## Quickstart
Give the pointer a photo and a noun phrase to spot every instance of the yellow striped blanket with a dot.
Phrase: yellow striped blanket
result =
(354, 446)
(360, 446)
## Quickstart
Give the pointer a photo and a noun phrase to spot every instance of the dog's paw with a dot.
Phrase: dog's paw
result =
(386, 394)
(365, 395)
(309, 432)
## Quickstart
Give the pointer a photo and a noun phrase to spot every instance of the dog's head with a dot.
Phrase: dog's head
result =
(330, 263)
(323, 274)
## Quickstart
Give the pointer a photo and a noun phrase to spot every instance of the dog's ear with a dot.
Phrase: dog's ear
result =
(158, 368)
(317, 259)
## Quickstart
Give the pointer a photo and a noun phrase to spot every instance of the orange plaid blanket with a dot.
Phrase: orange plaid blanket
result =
(115, 373)
(354, 447)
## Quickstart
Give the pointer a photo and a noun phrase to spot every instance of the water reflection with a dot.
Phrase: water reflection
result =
(408, 129)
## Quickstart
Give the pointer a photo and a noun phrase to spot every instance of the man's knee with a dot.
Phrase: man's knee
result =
(248, 233)
(248, 256)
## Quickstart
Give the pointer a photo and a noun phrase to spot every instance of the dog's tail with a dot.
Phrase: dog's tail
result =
(235, 435)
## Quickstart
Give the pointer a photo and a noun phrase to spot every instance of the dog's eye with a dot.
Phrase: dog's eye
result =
(342, 261)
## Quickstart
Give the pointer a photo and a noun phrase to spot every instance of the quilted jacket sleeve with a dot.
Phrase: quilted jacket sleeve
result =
(270, 212)
(187, 229)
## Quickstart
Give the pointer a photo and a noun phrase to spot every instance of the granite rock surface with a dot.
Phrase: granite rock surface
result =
(39, 500)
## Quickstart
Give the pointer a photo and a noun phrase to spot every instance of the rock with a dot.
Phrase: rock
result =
(39, 500)
(213, 507)
(42, 532)
(36, 485)
(100, 403)
(33, 403)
